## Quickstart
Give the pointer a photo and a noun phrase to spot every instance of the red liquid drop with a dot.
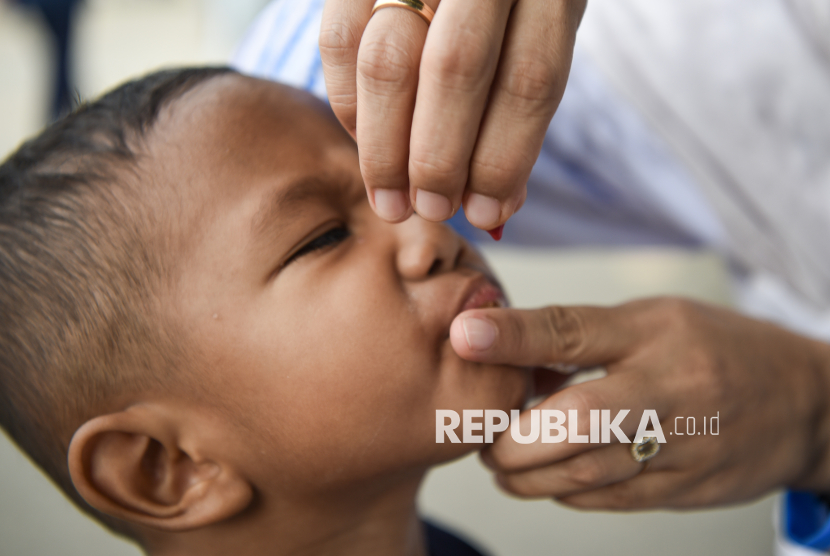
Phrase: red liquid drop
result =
(495, 233)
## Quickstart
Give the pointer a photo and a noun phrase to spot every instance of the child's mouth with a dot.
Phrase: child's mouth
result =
(485, 295)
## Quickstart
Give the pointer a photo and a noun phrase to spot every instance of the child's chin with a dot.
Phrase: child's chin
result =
(504, 387)
(496, 387)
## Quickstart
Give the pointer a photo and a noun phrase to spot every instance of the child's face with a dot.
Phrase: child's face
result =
(323, 331)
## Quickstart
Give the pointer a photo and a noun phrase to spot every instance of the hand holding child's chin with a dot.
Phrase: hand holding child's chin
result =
(683, 360)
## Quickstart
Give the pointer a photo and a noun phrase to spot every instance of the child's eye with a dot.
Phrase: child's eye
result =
(328, 238)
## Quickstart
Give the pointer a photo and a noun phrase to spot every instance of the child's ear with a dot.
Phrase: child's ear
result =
(141, 465)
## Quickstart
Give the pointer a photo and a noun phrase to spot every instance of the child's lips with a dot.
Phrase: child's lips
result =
(483, 294)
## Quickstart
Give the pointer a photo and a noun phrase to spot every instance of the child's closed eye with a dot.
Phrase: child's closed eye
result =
(330, 237)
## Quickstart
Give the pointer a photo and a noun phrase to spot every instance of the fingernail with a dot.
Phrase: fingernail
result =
(432, 206)
(482, 211)
(480, 333)
(391, 204)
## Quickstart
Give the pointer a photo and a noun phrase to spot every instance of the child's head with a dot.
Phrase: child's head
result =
(205, 319)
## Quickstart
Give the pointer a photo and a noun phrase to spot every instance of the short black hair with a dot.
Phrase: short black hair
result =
(79, 272)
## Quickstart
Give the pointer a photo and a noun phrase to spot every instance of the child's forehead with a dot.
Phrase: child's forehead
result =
(234, 127)
(237, 113)
(226, 149)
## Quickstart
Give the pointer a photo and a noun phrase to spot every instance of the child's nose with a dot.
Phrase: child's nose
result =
(426, 248)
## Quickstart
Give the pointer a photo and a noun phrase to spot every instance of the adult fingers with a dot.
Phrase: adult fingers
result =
(618, 403)
(340, 33)
(588, 471)
(547, 381)
(647, 490)
(387, 82)
(531, 78)
(459, 61)
(582, 336)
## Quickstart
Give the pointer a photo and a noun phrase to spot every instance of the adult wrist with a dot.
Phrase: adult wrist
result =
(817, 470)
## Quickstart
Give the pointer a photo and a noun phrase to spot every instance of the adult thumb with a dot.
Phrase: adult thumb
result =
(581, 336)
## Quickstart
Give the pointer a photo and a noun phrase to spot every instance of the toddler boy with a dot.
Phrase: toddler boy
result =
(210, 341)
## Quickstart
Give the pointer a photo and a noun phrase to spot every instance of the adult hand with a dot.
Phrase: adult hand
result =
(682, 359)
(455, 114)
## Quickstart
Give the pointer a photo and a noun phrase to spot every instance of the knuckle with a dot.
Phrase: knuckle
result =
(702, 367)
(442, 173)
(460, 65)
(507, 460)
(344, 106)
(516, 485)
(703, 375)
(586, 472)
(621, 497)
(344, 103)
(502, 169)
(580, 399)
(513, 325)
(338, 42)
(378, 171)
(384, 61)
(678, 314)
(566, 332)
(533, 81)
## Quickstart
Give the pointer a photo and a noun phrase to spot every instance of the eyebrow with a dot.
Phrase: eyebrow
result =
(290, 199)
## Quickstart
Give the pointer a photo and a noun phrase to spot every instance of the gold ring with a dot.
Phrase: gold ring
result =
(645, 449)
(415, 6)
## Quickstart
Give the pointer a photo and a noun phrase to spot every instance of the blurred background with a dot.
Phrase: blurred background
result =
(112, 40)
(109, 41)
